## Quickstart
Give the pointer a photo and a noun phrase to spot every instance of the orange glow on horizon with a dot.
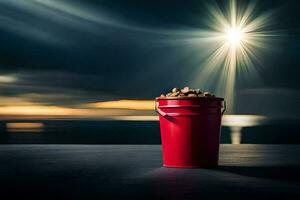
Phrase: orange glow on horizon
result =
(44, 111)
(35, 110)
(125, 104)
(57, 111)
(32, 127)
(24, 125)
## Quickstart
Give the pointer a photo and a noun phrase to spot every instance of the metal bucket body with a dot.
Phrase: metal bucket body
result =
(190, 131)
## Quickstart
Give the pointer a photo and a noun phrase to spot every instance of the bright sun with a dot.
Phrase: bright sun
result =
(234, 36)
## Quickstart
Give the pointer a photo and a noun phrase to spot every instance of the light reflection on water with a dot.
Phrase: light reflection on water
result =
(237, 122)
(25, 127)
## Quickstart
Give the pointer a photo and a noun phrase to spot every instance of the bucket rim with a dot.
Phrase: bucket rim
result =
(190, 98)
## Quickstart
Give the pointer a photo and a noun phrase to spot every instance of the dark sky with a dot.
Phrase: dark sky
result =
(76, 51)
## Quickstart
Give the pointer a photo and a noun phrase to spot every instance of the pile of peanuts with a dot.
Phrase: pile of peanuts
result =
(187, 92)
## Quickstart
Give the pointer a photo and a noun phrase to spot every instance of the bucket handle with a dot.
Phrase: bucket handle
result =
(224, 108)
(162, 113)
(159, 111)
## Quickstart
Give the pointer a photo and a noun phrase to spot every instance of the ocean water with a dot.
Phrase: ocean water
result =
(133, 132)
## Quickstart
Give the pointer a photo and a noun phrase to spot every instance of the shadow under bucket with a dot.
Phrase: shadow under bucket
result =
(190, 130)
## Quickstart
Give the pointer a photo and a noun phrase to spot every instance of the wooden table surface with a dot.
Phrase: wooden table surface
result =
(134, 171)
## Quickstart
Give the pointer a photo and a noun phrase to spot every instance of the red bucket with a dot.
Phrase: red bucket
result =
(190, 130)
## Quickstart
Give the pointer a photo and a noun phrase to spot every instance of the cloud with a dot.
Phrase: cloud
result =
(7, 79)
(63, 23)
(60, 22)
(53, 88)
(50, 21)
(56, 94)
